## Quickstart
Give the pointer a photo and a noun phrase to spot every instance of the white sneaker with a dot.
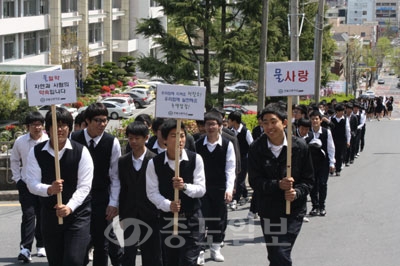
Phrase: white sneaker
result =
(215, 252)
(250, 216)
(233, 205)
(200, 259)
(41, 252)
(25, 255)
(90, 255)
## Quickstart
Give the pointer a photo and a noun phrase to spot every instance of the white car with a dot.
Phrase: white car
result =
(45, 108)
(122, 100)
(238, 87)
(115, 110)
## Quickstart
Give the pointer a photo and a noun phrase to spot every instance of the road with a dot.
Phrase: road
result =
(360, 228)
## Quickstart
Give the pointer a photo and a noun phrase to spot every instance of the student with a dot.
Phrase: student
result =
(267, 176)
(161, 181)
(322, 151)
(66, 243)
(245, 139)
(134, 206)
(30, 203)
(105, 151)
(219, 161)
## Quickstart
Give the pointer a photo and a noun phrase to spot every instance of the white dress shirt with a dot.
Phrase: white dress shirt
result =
(230, 165)
(115, 185)
(20, 152)
(85, 175)
(330, 145)
(157, 147)
(137, 163)
(249, 137)
(195, 190)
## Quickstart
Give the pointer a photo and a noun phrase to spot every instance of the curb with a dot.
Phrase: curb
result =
(9, 195)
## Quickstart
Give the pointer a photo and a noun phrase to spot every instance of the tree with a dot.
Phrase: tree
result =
(8, 99)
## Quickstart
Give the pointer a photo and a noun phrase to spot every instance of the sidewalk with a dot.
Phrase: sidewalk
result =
(8, 195)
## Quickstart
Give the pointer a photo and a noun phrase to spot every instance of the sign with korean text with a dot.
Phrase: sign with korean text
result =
(51, 87)
(290, 78)
(180, 102)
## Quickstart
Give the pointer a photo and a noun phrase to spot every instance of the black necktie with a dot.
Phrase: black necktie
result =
(91, 146)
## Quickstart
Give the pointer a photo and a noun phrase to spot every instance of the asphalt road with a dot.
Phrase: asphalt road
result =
(360, 229)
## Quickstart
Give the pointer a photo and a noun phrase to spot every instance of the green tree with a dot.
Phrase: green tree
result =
(8, 98)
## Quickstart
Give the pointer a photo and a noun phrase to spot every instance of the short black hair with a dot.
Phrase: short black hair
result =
(80, 118)
(213, 116)
(304, 122)
(34, 116)
(157, 122)
(62, 115)
(169, 125)
(219, 110)
(235, 116)
(94, 110)
(137, 128)
(145, 118)
(278, 109)
(316, 113)
(339, 107)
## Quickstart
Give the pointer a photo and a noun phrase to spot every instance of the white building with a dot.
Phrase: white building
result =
(50, 32)
(387, 13)
(360, 11)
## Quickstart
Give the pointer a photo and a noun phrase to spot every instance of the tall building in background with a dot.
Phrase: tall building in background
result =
(73, 33)
(387, 14)
(360, 11)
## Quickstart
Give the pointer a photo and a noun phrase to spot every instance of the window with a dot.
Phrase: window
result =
(29, 8)
(364, 13)
(95, 4)
(29, 43)
(69, 6)
(69, 37)
(9, 47)
(44, 7)
(362, 34)
(95, 32)
(8, 8)
(44, 41)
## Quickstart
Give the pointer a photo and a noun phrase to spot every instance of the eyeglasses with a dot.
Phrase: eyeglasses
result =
(36, 125)
(62, 126)
(100, 121)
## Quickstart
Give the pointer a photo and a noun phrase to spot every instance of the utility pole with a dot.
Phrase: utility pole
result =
(348, 71)
(294, 36)
(318, 48)
(263, 57)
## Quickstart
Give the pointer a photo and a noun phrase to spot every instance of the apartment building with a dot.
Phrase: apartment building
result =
(360, 11)
(73, 33)
(387, 13)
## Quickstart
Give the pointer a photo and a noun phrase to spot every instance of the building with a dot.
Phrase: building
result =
(387, 14)
(73, 33)
(360, 11)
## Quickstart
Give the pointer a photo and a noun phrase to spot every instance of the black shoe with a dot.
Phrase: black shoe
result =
(337, 173)
(351, 162)
(347, 164)
(314, 212)
(322, 212)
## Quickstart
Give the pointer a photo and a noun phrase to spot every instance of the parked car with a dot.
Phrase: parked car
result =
(228, 108)
(45, 108)
(381, 81)
(147, 90)
(238, 87)
(140, 102)
(122, 99)
(368, 95)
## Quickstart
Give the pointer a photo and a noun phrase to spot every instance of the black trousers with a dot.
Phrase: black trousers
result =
(143, 233)
(215, 214)
(320, 188)
(280, 235)
(184, 248)
(351, 151)
(66, 244)
(241, 189)
(31, 222)
(362, 137)
(340, 150)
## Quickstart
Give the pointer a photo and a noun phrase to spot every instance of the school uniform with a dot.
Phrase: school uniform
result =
(341, 136)
(183, 249)
(65, 244)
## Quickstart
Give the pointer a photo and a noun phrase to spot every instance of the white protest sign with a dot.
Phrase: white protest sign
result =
(51, 87)
(180, 102)
(290, 78)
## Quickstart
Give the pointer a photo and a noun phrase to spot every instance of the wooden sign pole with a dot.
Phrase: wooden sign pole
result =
(56, 160)
(177, 156)
(289, 145)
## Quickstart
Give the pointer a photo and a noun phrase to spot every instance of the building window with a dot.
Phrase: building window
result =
(362, 34)
(95, 32)
(9, 47)
(95, 4)
(68, 6)
(44, 41)
(69, 37)
(29, 8)
(29, 43)
(9, 9)
(364, 13)
(44, 7)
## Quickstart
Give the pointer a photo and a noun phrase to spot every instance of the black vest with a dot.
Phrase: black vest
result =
(214, 163)
(101, 160)
(165, 175)
(339, 131)
(243, 145)
(319, 158)
(69, 165)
